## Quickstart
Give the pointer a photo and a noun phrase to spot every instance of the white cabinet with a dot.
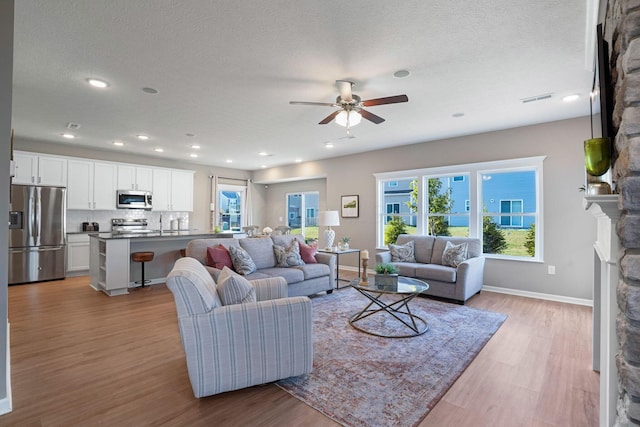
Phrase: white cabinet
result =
(40, 170)
(172, 190)
(135, 178)
(109, 265)
(77, 252)
(92, 185)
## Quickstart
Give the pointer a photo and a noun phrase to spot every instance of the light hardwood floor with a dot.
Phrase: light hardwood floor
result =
(81, 358)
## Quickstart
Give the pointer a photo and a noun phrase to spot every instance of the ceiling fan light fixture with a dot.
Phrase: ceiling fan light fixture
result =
(348, 118)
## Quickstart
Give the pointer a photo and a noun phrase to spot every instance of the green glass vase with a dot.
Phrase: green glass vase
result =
(597, 155)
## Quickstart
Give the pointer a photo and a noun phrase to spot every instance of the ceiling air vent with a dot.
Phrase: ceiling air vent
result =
(73, 125)
(536, 98)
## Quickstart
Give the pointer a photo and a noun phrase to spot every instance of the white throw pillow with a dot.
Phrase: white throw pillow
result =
(402, 253)
(234, 289)
(453, 255)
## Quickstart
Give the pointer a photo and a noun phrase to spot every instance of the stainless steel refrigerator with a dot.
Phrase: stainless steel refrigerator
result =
(36, 233)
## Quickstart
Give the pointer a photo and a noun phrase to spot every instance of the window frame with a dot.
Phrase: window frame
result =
(474, 171)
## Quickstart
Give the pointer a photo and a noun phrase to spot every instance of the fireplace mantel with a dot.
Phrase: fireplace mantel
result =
(605, 308)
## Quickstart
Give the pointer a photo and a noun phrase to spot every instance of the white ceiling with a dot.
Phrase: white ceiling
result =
(227, 69)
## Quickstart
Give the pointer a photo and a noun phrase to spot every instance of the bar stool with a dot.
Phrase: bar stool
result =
(142, 257)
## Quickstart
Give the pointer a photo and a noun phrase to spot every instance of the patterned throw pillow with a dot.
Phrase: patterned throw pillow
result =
(218, 257)
(308, 252)
(234, 289)
(242, 262)
(288, 257)
(402, 253)
(453, 255)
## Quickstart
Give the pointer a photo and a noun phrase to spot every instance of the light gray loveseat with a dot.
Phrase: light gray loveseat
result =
(457, 284)
(302, 280)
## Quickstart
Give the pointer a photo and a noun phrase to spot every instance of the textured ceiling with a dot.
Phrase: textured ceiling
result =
(226, 71)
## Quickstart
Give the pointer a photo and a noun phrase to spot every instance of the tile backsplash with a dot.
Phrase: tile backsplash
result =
(103, 218)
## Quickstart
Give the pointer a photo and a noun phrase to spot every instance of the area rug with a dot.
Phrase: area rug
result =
(363, 380)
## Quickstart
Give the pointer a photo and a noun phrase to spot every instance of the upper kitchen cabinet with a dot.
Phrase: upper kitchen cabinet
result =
(172, 190)
(92, 185)
(135, 178)
(40, 170)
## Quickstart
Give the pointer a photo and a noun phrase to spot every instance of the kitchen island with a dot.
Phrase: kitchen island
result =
(112, 270)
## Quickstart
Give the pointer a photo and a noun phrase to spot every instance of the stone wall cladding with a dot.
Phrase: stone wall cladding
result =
(622, 30)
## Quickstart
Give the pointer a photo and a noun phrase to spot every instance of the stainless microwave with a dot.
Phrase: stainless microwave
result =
(131, 199)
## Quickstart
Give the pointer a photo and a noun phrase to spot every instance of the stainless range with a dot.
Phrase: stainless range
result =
(129, 226)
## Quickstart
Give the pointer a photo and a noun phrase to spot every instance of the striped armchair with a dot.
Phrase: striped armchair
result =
(237, 346)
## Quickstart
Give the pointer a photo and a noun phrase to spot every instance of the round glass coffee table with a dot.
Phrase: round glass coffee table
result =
(391, 301)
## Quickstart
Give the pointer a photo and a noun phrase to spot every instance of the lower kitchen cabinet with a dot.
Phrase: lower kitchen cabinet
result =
(77, 253)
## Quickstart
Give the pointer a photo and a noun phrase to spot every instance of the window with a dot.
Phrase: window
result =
(447, 214)
(297, 204)
(231, 205)
(399, 204)
(499, 202)
(510, 206)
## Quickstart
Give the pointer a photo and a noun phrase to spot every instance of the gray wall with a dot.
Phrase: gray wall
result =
(6, 82)
(569, 231)
(275, 208)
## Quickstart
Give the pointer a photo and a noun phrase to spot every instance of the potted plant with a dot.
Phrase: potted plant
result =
(344, 245)
(386, 276)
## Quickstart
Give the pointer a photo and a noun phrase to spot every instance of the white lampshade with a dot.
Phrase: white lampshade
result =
(328, 218)
(354, 118)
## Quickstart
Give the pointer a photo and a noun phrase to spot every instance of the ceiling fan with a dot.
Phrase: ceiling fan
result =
(350, 107)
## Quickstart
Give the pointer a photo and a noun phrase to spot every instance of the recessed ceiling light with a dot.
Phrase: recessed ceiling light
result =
(262, 153)
(195, 147)
(194, 155)
(571, 98)
(401, 73)
(263, 166)
(118, 143)
(149, 90)
(298, 160)
(100, 84)
(68, 135)
(328, 144)
(159, 150)
(229, 161)
(456, 115)
(142, 137)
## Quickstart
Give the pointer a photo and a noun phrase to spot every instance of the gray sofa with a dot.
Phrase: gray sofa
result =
(302, 280)
(452, 283)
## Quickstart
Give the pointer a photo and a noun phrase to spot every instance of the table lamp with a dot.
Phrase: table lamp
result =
(328, 219)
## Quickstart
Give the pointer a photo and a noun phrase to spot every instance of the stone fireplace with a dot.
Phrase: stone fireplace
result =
(621, 19)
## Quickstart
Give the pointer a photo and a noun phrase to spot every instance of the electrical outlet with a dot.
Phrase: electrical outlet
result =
(551, 269)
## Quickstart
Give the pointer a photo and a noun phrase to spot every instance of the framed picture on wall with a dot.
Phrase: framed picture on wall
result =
(349, 208)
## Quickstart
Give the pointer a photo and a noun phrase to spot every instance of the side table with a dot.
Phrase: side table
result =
(337, 254)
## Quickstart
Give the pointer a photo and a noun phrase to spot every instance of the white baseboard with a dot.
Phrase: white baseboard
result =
(6, 404)
(538, 295)
(516, 292)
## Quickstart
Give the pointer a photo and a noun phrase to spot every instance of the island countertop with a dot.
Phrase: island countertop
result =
(157, 234)
(112, 270)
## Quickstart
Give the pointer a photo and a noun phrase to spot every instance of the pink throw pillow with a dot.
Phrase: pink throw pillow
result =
(218, 257)
(308, 252)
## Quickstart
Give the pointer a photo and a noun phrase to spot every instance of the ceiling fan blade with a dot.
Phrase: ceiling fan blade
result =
(387, 100)
(329, 118)
(371, 117)
(328, 104)
(344, 87)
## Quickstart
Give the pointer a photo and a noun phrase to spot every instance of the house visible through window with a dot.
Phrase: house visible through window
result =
(499, 202)
(297, 204)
